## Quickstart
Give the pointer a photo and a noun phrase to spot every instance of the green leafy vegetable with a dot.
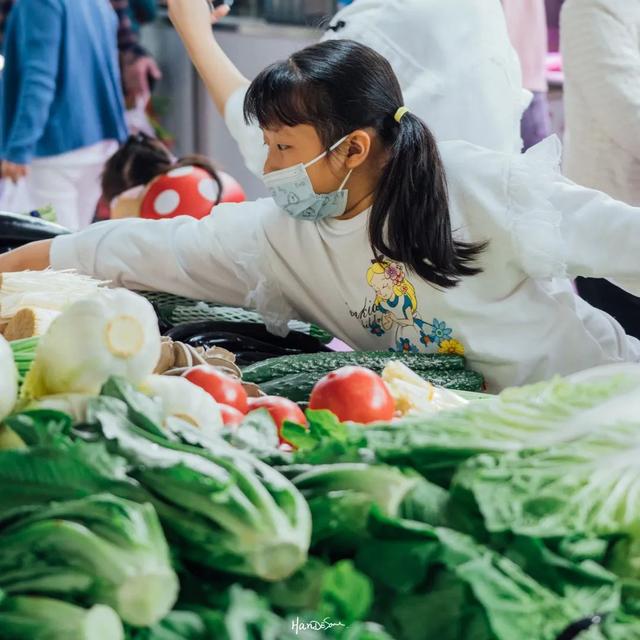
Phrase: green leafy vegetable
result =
(588, 487)
(30, 618)
(225, 508)
(532, 417)
(178, 625)
(515, 605)
(104, 548)
(341, 496)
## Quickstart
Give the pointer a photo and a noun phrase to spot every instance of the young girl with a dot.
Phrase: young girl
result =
(143, 180)
(355, 178)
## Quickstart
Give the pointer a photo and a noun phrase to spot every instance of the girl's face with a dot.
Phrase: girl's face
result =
(382, 286)
(289, 146)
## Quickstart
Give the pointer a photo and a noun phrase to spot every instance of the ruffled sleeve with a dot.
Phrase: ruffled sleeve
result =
(535, 224)
(560, 229)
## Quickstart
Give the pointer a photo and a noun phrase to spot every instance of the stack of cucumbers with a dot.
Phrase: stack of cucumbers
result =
(293, 377)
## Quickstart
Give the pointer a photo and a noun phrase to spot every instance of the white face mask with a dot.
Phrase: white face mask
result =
(292, 191)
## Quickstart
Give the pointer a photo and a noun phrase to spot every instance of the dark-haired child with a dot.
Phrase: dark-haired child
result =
(143, 180)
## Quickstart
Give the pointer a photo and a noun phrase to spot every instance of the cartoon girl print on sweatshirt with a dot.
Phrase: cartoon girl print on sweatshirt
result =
(396, 307)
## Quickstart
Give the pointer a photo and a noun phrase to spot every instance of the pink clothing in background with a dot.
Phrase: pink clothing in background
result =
(527, 26)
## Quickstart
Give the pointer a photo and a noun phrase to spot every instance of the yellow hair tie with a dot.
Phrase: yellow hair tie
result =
(400, 113)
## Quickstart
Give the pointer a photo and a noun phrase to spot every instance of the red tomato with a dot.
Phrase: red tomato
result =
(231, 417)
(221, 387)
(281, 410)
(353, 393)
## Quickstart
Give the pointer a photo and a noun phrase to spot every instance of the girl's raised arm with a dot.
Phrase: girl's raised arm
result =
(192, 20)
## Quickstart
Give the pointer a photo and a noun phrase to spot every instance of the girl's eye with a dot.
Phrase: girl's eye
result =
(282, 147)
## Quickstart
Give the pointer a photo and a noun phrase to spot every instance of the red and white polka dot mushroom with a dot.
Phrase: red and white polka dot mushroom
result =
(183, 191)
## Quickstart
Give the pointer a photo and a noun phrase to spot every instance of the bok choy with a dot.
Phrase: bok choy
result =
(223, 507)
(8, 379)
(114, 332)
(102, 548)
(32, 618)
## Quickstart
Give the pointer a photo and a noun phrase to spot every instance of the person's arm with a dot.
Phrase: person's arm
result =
(601, 60)
(561, 229)
(41, 35)
(192, 21)
(218, 258)
(224, 82)
(601, 235)
(33, 256)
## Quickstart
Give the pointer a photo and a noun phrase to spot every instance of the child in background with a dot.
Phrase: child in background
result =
(61, 110)
(142, 179)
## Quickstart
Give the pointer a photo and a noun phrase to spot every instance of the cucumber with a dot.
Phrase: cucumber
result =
(298, 386)
(324, 362)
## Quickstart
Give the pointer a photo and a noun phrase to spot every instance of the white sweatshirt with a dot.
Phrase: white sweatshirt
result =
(512, 325)
(600, 42)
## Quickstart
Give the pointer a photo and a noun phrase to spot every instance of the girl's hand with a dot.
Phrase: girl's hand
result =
(192, 17)
(33, 256)
(217, 13)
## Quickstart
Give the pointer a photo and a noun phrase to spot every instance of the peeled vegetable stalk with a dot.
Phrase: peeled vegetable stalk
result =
(8, 379)
(415, 395)
(115, 332)
(48, 289)
(108, 549)
(182, 400)
(29, 618)
(29, 322)
(223, 507)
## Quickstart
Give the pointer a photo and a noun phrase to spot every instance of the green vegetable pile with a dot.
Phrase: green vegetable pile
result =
(511, 518)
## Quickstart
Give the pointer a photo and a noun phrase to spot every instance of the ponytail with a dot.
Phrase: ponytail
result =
(410, 220)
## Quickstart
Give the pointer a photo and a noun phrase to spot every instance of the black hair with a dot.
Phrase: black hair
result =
(339, 86)
(141, 159)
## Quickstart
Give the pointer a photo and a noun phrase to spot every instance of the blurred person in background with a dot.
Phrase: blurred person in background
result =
(600, 45)
(144, 180)
(138, 67)
(527, 26)
(61, 106)
(456, 67)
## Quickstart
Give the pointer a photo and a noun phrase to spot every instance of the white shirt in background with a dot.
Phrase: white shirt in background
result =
(512, 325)
(600, 43)
(69, 182)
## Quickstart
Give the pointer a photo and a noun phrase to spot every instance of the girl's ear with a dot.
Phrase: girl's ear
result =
(358, 149)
